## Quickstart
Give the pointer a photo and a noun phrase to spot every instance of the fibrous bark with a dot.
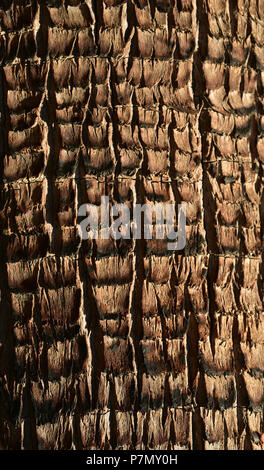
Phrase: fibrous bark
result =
(124, 344)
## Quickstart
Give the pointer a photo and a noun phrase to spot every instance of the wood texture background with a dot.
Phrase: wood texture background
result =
(126, 345)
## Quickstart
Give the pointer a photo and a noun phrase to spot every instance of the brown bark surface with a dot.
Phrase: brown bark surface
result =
(126, 345)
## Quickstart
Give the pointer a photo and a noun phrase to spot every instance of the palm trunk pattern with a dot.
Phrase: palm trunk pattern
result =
(124, 344)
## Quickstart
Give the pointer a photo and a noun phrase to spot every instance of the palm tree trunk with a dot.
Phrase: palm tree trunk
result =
(108, 344)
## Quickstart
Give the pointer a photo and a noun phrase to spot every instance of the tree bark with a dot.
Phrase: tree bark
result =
(125, 344)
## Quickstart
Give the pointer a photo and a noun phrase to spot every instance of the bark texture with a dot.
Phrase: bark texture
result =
(126, 345)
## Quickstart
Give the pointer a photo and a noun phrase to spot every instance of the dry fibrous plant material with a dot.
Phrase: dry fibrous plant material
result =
(124, 344)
